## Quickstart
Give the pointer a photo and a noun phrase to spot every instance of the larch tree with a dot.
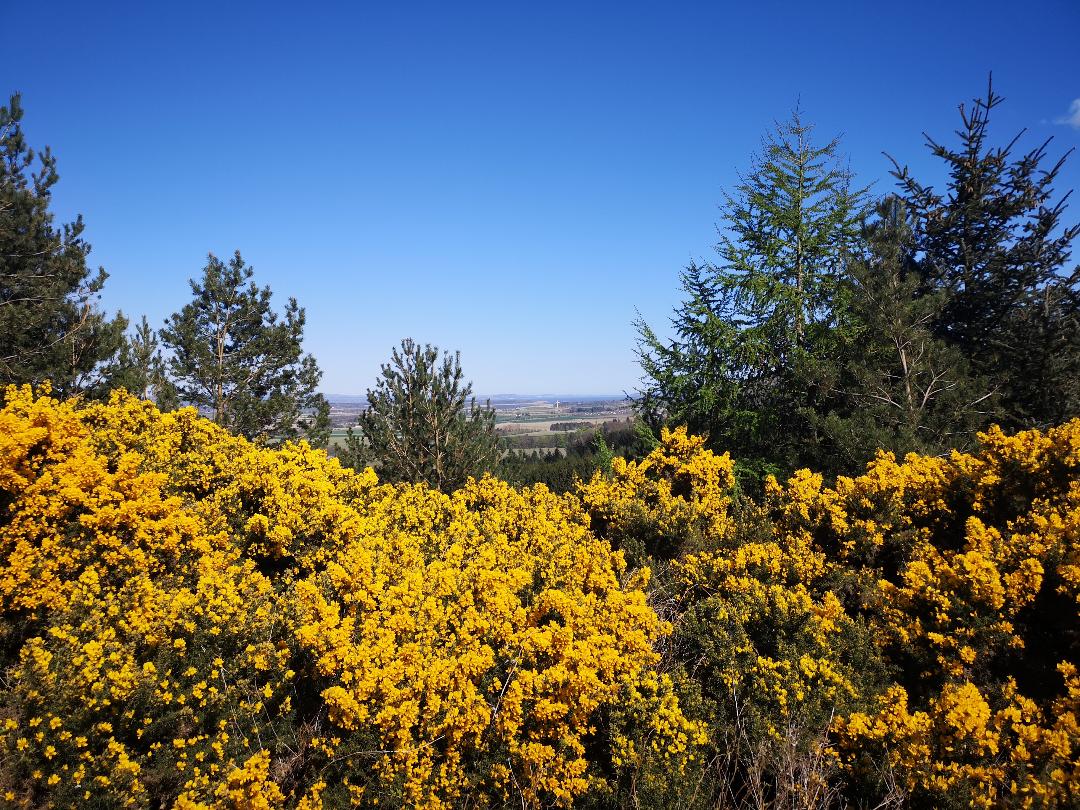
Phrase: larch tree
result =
(753, 338)
(694, 379)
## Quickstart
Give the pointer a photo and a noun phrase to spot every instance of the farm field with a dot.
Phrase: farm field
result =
(515, 416)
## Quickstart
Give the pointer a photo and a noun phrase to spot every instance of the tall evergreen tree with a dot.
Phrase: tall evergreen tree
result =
(995, 244)
(899, 386)
(696, 379)
(141, 370)
(754, 335)
(50, 324)
(422, 423)
(242, 363)
(788, 232)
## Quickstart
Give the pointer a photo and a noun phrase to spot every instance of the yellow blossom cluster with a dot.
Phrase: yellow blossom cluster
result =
(911, 633)
(966, 569)
(190, 620)
(675, 500)
(765, 637)
(962, 749)
(488, 622)
(760, 644)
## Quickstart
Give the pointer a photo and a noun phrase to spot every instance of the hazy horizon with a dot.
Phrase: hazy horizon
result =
(512, 395)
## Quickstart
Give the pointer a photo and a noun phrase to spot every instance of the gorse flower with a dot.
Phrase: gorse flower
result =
(190, 620)
(965, 569)
(196, 620)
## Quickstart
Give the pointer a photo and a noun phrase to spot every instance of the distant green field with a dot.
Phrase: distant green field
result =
(535, 431)
(337, 439)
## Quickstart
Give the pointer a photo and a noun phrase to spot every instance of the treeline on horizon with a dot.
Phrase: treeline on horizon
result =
(833, 563)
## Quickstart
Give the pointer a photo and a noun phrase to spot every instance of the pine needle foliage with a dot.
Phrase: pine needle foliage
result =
(422, 423)
(241, 362)
(50, 324)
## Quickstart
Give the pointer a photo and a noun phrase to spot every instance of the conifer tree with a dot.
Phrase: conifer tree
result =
(422, 423)
(788, 232)
(243, 364)
(755, 334)
(995, 244)
(50, 324)
(900, 387)
(695, 379)
(141, 370)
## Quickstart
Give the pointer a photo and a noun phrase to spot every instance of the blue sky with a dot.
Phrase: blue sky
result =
(510, 179)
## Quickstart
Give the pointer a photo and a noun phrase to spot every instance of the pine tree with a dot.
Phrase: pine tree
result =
(755, 334)
(243, 364)
(422, 423)
(994, 243)
(50, 325)
(140, 368)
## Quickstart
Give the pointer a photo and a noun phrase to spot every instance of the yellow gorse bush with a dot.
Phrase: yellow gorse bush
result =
(673, 501)
(966, 569)
(759, 641)
(487, 621)
(915, 626)
(192, 619)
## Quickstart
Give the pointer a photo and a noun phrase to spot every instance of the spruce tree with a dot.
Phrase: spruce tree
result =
(995, 244)
(50, 324)
(240, 362)
(899, 387)
(422, 423)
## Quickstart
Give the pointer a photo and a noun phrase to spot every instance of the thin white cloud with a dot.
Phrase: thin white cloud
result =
(1073, 118)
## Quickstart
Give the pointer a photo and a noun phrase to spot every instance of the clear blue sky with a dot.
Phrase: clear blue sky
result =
(508, 179)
